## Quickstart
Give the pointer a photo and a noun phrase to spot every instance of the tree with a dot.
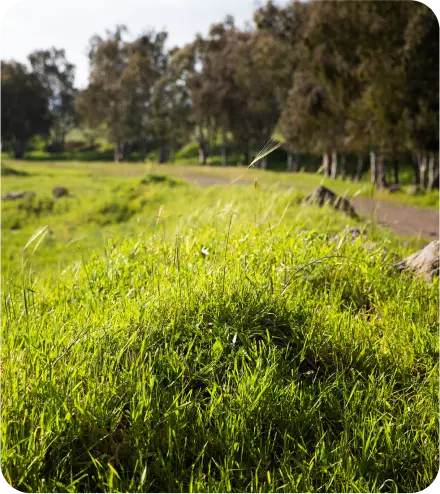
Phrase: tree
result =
(171, 105)
(421, 70)
(24, 106)
(57, 76)
(235, 84)
(261, 73)
(308, 118)
(381, 72)
(102, 102)
(211, 87)
(324, 82)
(122, 78)
(146, 65)
(286, 25)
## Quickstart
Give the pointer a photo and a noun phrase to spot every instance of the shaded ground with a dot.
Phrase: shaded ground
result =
(404, 220)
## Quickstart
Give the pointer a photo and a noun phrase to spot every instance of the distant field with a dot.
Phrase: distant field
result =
(301, 181)
(107, 200)
(166, 337)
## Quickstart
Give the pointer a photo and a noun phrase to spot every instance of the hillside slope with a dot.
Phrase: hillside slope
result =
(233, 347)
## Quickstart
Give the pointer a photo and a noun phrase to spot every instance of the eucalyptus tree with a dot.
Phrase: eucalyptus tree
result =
(57, 76)
(122, 78)
(25, 106)
(421, 70)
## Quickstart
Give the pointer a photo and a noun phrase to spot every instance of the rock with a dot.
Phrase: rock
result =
(434, 182)
(60, 192)
(394, 188)
(354, 232)
(11, 196)
(349, 234)
(321, 195)
(424, 263)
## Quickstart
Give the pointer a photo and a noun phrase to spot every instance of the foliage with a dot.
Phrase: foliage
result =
(24, 106)
(122, 78)
(57, 76)
(331, 78)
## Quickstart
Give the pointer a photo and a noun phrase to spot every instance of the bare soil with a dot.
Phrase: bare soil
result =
(404, 220)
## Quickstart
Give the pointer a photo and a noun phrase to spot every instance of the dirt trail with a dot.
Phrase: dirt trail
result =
(404, 220)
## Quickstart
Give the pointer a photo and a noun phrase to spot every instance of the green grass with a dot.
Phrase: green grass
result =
(218, 340)
(98, 207)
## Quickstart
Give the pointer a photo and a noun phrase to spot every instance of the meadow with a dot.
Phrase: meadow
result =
(159, 336)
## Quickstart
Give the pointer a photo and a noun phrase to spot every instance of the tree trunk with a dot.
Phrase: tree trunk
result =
(119, 152)
(292, 160)
(223, 150)
(224, 155)
(296, 163)
(431, 169)
(381, 181)
(436, 174)
(246, 157)
(359, 168)
(202, 153)
(162, 152)
(142, 151)
(416, 171)
(263, 163)
(334, 165)
(289, 160)
(126, 151)
(423, 165)
(171, 154)
(373, 168)
(343, 170)
(18, 150)
(326, 164)
(395, 170)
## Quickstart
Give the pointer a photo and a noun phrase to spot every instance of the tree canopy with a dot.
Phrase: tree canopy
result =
(345, 80)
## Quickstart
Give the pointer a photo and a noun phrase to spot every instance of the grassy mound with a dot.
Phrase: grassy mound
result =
(247, 352)
(7, 171)
(155, 178)
(79, 224)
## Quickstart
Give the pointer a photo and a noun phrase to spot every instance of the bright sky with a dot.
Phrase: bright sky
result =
(40, 24)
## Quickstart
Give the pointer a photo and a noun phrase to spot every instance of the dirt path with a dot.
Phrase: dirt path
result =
(404, 220)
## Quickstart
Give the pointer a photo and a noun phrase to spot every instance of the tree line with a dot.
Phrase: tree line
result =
(354, 82)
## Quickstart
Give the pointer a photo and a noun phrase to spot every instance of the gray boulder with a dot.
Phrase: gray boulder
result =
(321, 196)
(394, 188)
(424, 263)
(60, 192)
(12, 196)
(349, 234)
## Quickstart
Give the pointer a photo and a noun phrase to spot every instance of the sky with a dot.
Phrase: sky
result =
(40, 24)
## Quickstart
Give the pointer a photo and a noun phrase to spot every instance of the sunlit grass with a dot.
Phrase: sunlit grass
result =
(219, 340)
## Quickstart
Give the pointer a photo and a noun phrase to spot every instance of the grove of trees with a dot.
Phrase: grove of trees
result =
(355, 82)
